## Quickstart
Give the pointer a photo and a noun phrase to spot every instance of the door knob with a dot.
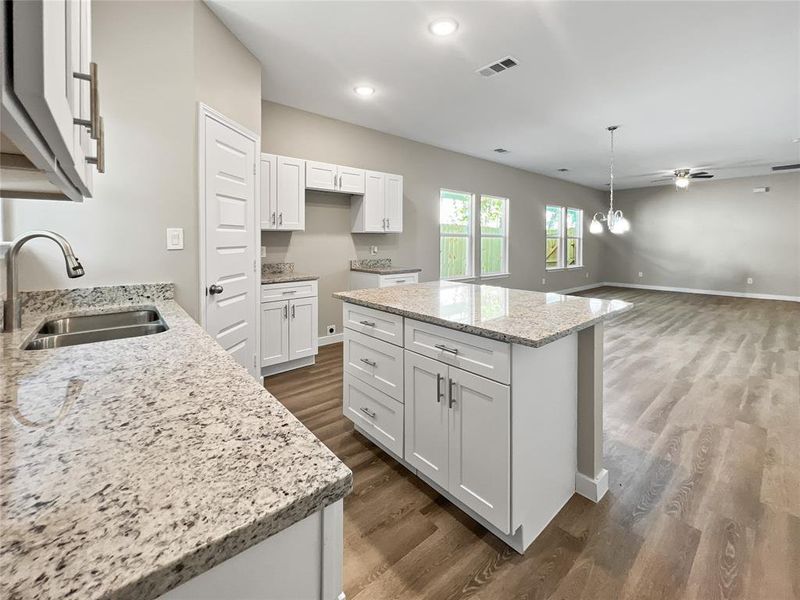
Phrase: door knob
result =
(214, 289)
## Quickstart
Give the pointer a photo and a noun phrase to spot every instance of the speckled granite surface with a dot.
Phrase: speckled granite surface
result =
(508, 315)
(283, 273)
(379, 266)
(130, 466)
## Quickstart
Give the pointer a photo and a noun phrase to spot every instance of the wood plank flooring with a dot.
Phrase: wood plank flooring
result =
(702, 442)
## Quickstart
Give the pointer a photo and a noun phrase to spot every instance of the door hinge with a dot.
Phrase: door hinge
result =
(254, 361)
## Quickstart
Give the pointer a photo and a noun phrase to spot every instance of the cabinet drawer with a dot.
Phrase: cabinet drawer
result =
(479, 355)
(287, 291)
(399, 279)
(376, 323)
(375, 362)
(378, 414)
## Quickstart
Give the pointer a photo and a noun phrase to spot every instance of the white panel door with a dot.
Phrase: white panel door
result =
(302, 328)
(426, 417)
(321, 176)
(351, 181)
(291, 194)
(394, 203)
(268, 190)
(230, 208)
(480, 446)
(274, 333)
(374, 201)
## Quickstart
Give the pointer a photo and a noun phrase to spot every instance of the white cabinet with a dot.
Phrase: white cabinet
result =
(334, 178)
(50, 100)
(283, 193)
(375, 362)
(360, 280)
(302, 327)
(289, 325)
(457, 434)
(380, 209)
(274, 333)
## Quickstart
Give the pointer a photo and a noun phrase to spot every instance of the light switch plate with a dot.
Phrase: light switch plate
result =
(174, 238)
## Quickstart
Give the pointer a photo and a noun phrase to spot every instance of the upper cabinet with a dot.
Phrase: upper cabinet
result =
(376, 199)
(52, 133)
(334, 178)
(283, 193)
(380, 210)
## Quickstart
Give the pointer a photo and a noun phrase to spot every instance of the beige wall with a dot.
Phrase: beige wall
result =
(712, 236)
(326, 246)
(156, 60)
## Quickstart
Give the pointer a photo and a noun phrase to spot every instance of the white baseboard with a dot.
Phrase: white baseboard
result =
(330, 339)
(664, 288)
(593, 489)
(580, 288)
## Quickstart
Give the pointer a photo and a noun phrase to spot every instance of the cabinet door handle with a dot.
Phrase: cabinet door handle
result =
(367, 323)
(273, 218)
(93, 122)
(439, 390)
(451, 400)
(285, 312)
(340, 182)
(444, 348)
(388, 223)
(293, 315)
(280, 219)
(100, 159)
(368, 412)
(369, 362)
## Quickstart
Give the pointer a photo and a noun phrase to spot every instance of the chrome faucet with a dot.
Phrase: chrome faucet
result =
(12, 311)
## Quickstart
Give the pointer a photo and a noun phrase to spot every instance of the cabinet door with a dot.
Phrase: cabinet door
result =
(480, 446)
(374, 201)
(302, 328)
(351, 181)
(291, 194)
(268, 191)
(321, 176)
(394, 203)
(46, 51)
(274, 333)
(426, 417)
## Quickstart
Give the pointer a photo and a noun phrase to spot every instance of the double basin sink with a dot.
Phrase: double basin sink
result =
(86, 329)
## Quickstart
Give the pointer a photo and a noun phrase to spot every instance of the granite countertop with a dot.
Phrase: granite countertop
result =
(380, 266)
(516, 316)
(130, 466)
(267, 278)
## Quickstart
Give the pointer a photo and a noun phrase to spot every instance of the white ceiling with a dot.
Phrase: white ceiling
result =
(692, 84)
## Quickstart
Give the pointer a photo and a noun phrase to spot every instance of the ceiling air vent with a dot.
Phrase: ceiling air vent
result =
(504, 64)
(501, 150)
(786, 167)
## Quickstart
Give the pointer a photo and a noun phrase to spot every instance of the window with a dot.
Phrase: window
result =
(460, 256)
(455, 234)
(494, 240)
(563, 237)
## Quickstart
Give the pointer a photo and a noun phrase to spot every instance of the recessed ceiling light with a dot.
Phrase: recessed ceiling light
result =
(796, 140)
(501, 150)
(562, 170)
(443, 27)
(364, 90)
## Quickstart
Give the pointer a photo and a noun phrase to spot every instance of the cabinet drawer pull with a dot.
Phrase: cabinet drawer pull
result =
(439, 390)
(290, 292)
(451, 395)
(368, 323)
(369, 362)
(370, 413)
(444, 348)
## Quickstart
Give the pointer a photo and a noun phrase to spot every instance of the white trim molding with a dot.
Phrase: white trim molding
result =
(593, 489)
(664, 288)
(326, 340)
(580, 288)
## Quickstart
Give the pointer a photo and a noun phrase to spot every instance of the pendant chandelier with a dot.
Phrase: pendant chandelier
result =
(614, 219)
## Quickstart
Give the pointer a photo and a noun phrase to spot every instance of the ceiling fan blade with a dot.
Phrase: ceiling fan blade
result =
(701, 176)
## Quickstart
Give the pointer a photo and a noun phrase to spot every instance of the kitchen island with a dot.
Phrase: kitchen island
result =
(491, 395)
(156, 467)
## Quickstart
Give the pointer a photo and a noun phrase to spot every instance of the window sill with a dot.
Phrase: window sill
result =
(495, 276)
(551, 269)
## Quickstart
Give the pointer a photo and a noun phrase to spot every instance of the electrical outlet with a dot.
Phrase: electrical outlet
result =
(331, 329)
(587, 274)
(641, 274)
(174, 238)
(544, 281)
(749, 281)
(263, 252)
(373, 249)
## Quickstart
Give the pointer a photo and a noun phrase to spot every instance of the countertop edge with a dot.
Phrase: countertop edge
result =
(288, 279)
(487, 333)
(386, 271)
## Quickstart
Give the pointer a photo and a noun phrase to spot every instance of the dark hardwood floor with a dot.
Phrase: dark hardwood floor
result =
(702, 442)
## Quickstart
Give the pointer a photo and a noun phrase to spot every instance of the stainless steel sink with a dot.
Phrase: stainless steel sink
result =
(101, 327)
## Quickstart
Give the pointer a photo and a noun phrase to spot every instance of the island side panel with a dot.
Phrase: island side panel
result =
(591, 480)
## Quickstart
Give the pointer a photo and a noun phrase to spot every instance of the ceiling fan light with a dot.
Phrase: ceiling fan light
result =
(624, 224)
(595, 226)
(681, 183)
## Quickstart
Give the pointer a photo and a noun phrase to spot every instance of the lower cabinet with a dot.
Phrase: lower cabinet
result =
(458, 434)
(375, 412)
(288, 327)
(274, 332)
(302, 327)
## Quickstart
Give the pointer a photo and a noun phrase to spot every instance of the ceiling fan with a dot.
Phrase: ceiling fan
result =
(682, 177)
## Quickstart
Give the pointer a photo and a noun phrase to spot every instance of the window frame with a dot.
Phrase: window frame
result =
(563, 239)
(470, 235)
(504, 269)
